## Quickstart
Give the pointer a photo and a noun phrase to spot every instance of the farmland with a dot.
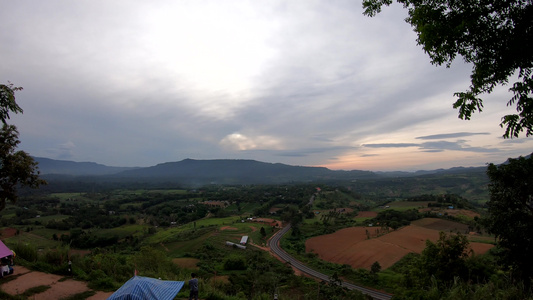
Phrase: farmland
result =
(360, 247)
(186, 230)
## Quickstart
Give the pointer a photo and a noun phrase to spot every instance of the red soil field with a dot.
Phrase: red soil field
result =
(8, 232)
(352, 246)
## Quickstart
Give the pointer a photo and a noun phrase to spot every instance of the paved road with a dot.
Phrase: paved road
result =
(274, 246)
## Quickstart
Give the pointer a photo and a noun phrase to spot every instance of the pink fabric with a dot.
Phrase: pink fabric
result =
(4, 250)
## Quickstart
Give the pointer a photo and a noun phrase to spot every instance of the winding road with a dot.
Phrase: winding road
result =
(274, 246)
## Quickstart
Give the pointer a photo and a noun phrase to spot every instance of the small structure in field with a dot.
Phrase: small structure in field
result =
(228, 243)
(244, 240)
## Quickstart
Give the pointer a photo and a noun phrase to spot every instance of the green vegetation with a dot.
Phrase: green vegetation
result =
(510, 215)
(109, 234)
(17, 168)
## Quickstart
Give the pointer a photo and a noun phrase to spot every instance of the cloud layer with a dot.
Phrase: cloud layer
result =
(130, 83)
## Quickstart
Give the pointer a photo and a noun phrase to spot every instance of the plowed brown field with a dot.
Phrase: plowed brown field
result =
(352, 246)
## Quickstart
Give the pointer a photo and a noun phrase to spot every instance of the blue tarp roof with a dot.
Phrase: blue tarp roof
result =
(140, 288)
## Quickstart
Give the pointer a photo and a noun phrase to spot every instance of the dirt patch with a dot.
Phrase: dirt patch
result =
(100, 296)
(186, 262)
(8, 232)
(58, 289)
(27, 280)
(352, 246)
(62, 289)
(367, 214)
(264, 248)
(254, 229)
(220, 279)
(228, 228)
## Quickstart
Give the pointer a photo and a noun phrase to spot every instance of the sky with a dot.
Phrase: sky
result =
(299, 82)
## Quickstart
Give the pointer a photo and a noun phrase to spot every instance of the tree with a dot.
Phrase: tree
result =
(510, 211)
(376, 268)
(445, 259)
(17, 168)
(495, 36)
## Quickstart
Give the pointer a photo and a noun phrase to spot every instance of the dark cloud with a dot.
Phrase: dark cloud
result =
(450, 135)
(437, 146)
(391, 145)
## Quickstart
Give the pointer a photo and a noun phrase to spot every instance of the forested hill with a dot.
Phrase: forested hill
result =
(220, 171)
(229, 171)
(49, 166)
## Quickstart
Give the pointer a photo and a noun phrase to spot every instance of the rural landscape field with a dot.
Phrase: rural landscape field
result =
(259, 150)
(349, 231)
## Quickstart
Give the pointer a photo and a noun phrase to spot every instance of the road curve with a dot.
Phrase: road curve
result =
(274, 246)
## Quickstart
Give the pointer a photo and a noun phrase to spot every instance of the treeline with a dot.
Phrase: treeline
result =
(394, 218)
(442, 200)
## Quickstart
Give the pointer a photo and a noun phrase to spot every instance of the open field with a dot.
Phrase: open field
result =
(186, 262)
(352, 245)
(216, 236)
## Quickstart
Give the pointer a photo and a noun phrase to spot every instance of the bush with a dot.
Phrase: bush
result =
(26, 252)
(234, 263)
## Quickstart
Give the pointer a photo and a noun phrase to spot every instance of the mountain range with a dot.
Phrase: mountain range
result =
(220, 171)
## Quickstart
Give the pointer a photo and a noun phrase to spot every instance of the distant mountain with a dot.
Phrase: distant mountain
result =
(220, 171)
(49, 166)
(454, 170)
(235, 171)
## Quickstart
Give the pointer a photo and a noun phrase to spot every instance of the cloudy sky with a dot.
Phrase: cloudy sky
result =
(300, 82)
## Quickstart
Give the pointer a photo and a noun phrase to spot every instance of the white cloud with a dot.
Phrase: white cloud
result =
(241, 142)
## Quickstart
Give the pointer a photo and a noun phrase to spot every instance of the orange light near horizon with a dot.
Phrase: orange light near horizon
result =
(391, 160)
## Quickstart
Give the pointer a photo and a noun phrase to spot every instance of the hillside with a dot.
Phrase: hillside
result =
(225, 171)
(49, 166)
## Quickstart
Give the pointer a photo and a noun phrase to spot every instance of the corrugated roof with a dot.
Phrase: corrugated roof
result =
(141, 288)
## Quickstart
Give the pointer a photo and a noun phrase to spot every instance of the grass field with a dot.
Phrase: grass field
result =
(35, 240)
(216, 221)
(45, 219)
(122, 231)
(214, 235)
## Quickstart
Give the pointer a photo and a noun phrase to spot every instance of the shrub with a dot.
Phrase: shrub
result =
(26, 252)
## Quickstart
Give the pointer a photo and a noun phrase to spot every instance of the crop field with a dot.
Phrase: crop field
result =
(360, 247)
(186, 262)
